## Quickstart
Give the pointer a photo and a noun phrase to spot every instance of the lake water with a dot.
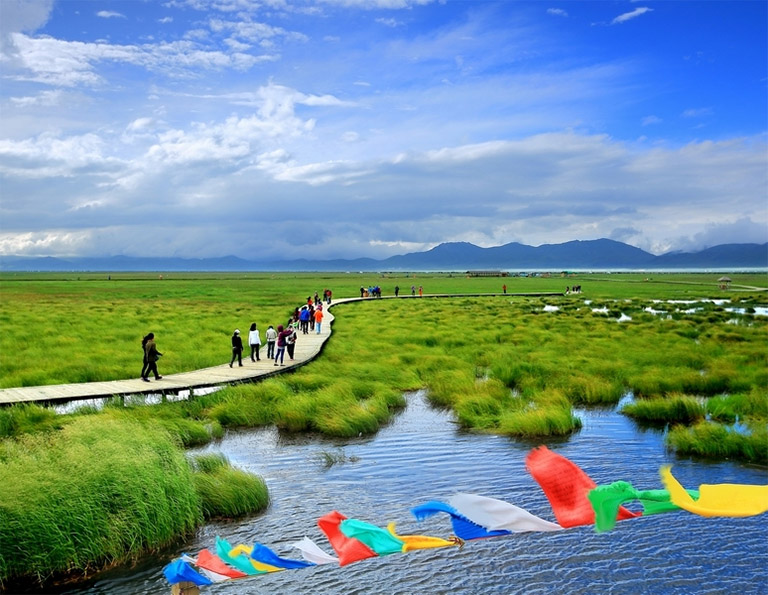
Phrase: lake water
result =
(422, 455)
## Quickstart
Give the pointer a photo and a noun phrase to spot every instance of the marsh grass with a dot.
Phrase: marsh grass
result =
(226, 492)
(675, 409)
(729, 408)
(98, 492)
(715, 441)
(27, 418)
(503, 364)
(549, 415)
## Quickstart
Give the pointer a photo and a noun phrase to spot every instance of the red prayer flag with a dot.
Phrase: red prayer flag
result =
(348, 549)
(210, 561)
(566, 487)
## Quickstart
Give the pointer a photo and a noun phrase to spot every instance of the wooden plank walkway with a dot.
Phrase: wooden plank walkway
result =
(307, 348)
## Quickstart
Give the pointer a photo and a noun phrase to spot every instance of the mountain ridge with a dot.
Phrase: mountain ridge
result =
(601, 254)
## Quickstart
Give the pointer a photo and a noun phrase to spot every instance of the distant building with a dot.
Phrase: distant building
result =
(487, 274)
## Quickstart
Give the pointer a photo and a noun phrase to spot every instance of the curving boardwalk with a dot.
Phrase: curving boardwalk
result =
(307, 348)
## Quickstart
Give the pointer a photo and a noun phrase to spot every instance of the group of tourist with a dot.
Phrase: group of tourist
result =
(282, 340)
(370, 291)
(279, 341)
(374, 291)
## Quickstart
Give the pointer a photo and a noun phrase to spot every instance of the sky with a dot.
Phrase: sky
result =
(283, 129)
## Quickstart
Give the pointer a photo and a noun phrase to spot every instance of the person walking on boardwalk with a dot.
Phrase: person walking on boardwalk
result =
(271, 338)
(504, 288)
(144, 356)
(282, 334)
(318, 320)
(290, 341)
(237, 348)
(421, 291)
(413, 290)
(152, 355)
(254, 340)
(304, 319)
(397, 290)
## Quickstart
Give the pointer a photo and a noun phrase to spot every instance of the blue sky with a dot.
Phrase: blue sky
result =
(273, 129)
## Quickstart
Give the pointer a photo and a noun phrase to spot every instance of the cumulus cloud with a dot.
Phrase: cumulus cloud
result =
(189, 144)
(733, 230)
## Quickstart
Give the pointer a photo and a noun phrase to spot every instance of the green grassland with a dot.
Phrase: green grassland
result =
(514, 365)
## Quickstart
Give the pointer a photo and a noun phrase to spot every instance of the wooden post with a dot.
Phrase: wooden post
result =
(185, 588)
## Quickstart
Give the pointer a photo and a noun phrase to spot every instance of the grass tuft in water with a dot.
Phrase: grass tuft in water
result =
(678, 409)
(714, 441)
(226, 492)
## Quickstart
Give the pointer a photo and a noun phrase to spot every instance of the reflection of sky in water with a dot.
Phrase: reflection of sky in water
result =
(137, 399)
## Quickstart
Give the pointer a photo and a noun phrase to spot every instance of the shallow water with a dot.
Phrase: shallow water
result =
(422, 455)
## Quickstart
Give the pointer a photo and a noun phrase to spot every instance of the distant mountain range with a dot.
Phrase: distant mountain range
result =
(582, 255)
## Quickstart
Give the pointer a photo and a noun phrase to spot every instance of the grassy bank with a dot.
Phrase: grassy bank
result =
(103, 490)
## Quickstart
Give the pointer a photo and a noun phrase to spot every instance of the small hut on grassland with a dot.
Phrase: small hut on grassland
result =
(725, 282)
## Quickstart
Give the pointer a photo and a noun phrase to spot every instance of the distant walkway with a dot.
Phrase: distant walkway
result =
(307, 348)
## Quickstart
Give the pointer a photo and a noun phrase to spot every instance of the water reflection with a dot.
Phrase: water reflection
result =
(423, 455)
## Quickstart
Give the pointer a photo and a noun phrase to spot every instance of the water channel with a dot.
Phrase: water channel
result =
(422, 455)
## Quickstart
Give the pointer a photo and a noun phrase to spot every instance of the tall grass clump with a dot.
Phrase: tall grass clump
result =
(27, 418)
(98, 492)
(714, 441)
(727, 408)
(226, 492)
(339, 413)
(679, 409)
(548, 415)
(187, 430)
(248, 405)
(481, 407)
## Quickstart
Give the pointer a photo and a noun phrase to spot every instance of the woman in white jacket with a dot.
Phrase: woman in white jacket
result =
(254, 340)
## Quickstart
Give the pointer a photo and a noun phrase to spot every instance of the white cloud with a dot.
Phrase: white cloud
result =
(26, 15)
(228, 125)
(108, 14)
(389, 22)
(628, 16)
(44, 99)
(66, 63)
(557, 12)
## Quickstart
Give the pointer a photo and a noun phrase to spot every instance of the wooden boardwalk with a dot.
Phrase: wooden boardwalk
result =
(307, 348)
